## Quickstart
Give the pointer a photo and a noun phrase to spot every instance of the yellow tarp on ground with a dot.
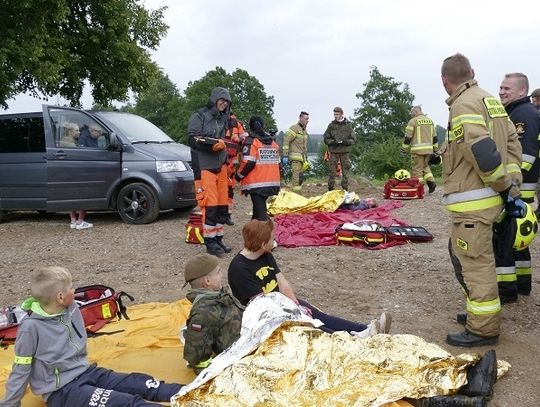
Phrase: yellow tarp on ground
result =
(148, 344)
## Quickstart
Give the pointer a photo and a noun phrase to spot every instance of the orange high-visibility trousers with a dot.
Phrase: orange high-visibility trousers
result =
(212, 196)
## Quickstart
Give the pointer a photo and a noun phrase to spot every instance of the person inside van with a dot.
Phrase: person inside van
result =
(71, 135)
(89, 136)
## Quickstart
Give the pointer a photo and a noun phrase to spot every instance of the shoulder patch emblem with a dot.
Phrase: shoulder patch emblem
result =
(520, 128)
(245, 150)
(494, 108)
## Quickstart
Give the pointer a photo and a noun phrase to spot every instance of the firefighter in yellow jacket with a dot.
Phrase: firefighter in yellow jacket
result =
(295, 149)
(421, 141)
(258, 173)
(477, 158)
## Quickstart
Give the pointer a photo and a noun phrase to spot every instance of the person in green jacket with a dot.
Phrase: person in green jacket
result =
(215, 318)
(339, 137)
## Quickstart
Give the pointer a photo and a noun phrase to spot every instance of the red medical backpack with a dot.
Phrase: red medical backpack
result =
(411, 188)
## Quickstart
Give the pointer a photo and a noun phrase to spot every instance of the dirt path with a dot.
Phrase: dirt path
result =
(414, 282)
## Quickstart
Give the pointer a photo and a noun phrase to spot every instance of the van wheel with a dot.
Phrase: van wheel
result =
(137, 204)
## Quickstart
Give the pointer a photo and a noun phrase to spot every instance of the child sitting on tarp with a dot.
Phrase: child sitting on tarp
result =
(216, 316)
(50, 354)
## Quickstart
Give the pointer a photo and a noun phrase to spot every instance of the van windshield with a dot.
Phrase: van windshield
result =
(136, 128)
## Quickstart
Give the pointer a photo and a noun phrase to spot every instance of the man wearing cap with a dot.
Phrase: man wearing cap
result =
(216, 316)
(339, 138)
(535, 98)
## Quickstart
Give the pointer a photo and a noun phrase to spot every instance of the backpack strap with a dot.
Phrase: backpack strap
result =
(121, 307)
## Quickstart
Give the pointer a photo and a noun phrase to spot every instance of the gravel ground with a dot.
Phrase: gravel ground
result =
(414, 282)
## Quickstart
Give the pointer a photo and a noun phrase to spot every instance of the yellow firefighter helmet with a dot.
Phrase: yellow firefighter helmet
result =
(526, 230)
(402, 175)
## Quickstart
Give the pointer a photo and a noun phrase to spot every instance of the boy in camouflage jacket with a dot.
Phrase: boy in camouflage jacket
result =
(216, 316)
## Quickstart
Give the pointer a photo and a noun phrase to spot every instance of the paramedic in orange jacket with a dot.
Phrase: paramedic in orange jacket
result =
(235, 136)
(477, 186)
(259, 170)
(206, 132)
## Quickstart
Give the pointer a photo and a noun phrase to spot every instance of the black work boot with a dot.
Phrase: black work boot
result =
(431, 185)
(213, 247)
(219, 240)
(461, 318)
(452, 401)
(505, 299)
(229, 220)
(481, 377)
(468, 339)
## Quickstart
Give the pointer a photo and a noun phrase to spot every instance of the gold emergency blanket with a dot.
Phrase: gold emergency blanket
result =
(279, 361)
(289, 202)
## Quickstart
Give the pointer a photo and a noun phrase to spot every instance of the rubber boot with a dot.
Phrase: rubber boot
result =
(481, 377)
(219, 240)
(229, 220)
(468, 339)
(213, 247)
(431, 185)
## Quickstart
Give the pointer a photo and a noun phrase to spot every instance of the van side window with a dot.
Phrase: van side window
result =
(74, 129)
(22, 135)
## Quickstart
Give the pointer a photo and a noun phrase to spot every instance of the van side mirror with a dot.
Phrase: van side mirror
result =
(114, 143)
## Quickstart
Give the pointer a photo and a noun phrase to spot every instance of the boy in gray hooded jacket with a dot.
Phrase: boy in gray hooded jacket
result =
(51, 356)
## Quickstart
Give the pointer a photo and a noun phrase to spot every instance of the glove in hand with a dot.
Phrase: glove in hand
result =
(435, 159)
(219, 146)
(284, 160)
(515, 207)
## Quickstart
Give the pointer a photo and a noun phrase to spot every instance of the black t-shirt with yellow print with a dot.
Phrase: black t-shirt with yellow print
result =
(248, 278)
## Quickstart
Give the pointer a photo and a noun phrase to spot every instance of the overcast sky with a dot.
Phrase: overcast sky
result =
(313, 55)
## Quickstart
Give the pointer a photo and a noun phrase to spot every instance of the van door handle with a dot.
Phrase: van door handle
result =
(60, 154)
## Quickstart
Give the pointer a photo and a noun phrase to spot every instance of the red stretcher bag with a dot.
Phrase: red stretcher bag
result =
(99, 305)
(372, 233)
(194, 229)
(411, 188)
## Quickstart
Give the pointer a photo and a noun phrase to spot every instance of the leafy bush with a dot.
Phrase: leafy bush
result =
(381, 159)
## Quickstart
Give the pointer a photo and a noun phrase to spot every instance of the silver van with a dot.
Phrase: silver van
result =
(64, 159)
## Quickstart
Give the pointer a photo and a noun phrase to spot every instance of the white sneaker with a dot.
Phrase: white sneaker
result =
(376, 326)
(73, 225)
(84, 225)
(385, 321)
(274, 244)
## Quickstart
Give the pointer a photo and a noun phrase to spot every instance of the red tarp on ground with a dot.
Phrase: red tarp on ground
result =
(319, 228)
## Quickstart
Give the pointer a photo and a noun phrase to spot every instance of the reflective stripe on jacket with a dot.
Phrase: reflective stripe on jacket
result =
(295, 143)
(421, 133)
(482, 144)
(265, 173)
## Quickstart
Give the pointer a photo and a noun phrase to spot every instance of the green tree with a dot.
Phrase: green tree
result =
(379, 125)
(52, 47)
(385, 108)
(441, 134)
(162, 104)
(248, 96)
